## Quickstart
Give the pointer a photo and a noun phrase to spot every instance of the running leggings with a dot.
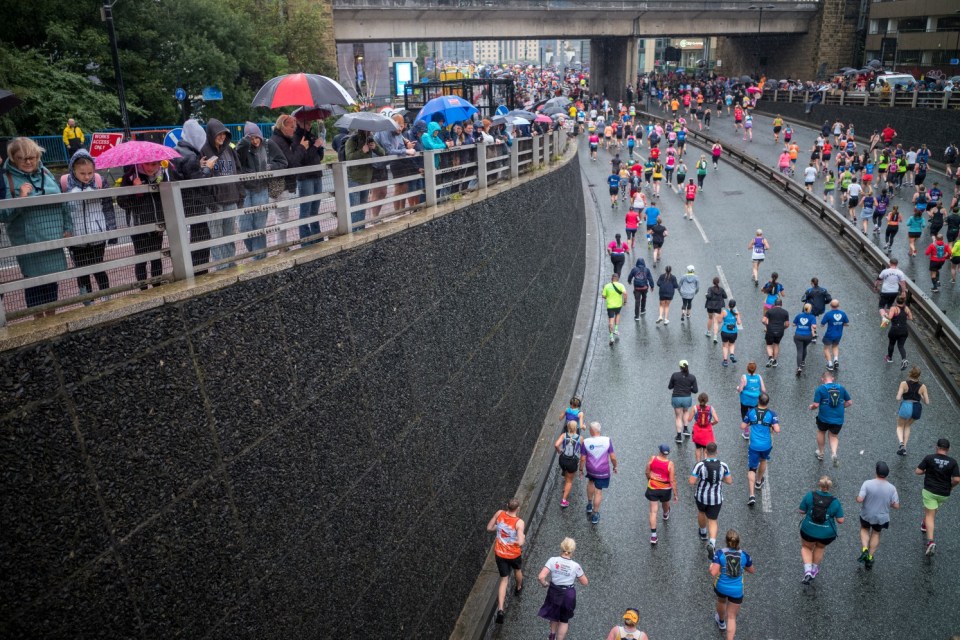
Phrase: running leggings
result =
(891, 233)
(899, 341)
(802, 343)
(687, 304)
(700, 177)
(617, 259)
(639, 301)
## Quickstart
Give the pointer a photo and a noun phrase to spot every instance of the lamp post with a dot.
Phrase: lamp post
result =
(106, 14)
(760, 8)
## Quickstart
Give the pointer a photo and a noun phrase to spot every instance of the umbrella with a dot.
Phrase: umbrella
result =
(559, 101)
(520, 113)
(746, 79)
(321, 112)
(452, 108)
(366, 121)
(754, 90)
(134, 152)
(543, 118)
(851, 72)
(552, 111)
(7, 101)
(301, 89)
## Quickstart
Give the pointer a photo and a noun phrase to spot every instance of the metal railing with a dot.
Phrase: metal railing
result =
(737, 6)
(912, 99)
(79, 248)
(845, 232)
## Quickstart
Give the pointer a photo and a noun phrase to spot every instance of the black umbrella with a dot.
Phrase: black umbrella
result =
(366, 121)
(8, 101)
(746, 79)
(551, 111)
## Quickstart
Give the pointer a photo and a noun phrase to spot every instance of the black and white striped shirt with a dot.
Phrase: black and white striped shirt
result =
(710, 474)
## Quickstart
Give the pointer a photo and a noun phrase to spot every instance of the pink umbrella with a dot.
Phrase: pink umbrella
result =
(754, 90)
(543, 118)
(134, 152)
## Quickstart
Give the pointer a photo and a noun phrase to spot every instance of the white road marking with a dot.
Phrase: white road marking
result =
(766, 501)
(700, 227)
(723, 281)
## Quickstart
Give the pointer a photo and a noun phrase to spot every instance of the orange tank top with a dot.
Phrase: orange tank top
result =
(506, 544)
(659, 474)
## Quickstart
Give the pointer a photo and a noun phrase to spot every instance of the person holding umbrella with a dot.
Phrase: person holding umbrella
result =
(360, 146)
(397, 145)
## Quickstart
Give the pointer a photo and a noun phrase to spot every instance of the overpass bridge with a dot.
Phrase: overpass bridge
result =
(613, 26)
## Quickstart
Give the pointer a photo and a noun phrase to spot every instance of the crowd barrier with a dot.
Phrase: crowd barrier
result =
(846, 233)
(113, 241)
(912, 99)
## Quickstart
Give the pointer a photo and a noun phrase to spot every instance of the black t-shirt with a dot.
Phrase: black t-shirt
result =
(776, 316)
(939, 469)
(656, 233)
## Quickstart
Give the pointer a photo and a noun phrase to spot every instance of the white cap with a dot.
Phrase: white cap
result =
(690, 268)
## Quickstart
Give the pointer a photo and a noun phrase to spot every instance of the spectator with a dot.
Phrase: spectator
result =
(26, 177)
(360, 146)
(311, 183)
(145, 209)
(284, 153)
(219, 159)
(89, 216)
(252, 154)
(396, 145)
(72, 137)
(197, 199)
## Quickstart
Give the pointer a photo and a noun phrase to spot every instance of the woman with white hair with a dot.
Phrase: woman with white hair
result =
(559, 575)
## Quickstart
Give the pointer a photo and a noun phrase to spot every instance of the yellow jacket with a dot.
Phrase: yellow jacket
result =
(70, 133)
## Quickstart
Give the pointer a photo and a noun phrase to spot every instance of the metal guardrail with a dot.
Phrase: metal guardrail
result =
(177, 230)
(576, 5)
(843, 230)
(912, 99)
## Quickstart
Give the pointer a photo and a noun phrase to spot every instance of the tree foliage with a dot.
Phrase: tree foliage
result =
(58, 61)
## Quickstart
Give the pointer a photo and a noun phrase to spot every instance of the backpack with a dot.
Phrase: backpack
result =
(713, 470)
(734, 562)
(818, 515)
(704, 417)
(941, 251)
(97, 181)
(570, 453)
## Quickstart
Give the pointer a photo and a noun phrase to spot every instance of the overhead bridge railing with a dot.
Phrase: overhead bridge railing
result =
(844, 232)
(577, 5)
(86, 247)
(900, 98)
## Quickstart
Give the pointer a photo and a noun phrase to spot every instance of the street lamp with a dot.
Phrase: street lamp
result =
(760, 8)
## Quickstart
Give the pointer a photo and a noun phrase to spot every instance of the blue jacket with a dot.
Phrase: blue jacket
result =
(640, 274)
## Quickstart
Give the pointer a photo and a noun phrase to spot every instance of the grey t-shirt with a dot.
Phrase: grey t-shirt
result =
(877, 496)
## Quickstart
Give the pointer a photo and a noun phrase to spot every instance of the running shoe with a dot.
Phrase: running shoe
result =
(499, 617)
(616, 332)
(564, 504)
(653, 538)
(923, 526)
(659, 320)
(596, 518)
(829, 366)
(678, 439)
(776, 363)
(816, 570)
(901, 450)
(715, 340)
(707, 334)
(745, 434)
(868, 563)
(518, 591)
(931, 547)
(666, 515)
(887, 359)
(686, 432)
(681, 317)
(703, 536)
(711, 550)
(752, 500)
(589, 507)
(836, 460)
(799, 371)
(733, 358)
(769, 363)
(721, 624)
(864, 554)
(836, 363)
(807, 578)
(759, 483)
(725, 363)
(903, 365)
(667, 321)
(611, 338)
(819, 455)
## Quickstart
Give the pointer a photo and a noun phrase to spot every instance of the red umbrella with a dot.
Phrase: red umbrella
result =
(301, 90)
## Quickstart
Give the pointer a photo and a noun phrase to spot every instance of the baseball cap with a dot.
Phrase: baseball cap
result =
(943, 443)
(630, 616)
(665, 449)
(882, 469)
(684, 363)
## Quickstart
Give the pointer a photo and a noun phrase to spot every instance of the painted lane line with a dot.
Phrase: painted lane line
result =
(766, 501)
(700, 227)
(723, 281)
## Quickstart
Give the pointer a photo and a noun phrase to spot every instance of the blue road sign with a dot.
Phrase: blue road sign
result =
(954, 61)
(212, 93)
(173, 137)
(180, 94)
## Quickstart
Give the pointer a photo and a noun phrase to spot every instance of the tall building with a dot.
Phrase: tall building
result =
(915, 33)
(506, 51)
(456, 51)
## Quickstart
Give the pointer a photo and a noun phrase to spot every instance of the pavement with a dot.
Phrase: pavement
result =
(763, 148)
(905, 595)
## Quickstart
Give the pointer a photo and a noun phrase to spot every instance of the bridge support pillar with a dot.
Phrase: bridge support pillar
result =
(613, 65)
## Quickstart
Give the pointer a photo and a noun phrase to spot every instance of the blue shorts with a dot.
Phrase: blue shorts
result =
(599, 483)
(754, 457)
(830, 341)
(681, 403)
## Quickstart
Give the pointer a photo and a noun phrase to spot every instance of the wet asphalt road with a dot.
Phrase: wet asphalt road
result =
(763, 148)
(905, 595)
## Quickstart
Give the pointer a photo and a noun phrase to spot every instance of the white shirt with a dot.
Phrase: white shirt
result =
(810, 174)
(890, 280)
(854, 189)
(563, 571)
(911, 157)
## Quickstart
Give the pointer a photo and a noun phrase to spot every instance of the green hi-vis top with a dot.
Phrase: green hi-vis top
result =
(613, 294)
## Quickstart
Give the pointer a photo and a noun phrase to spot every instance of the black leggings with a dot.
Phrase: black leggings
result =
(639, 301)
(687, 304)
(899, 341)
(617, 259)
(147, 243)
(700, 177)
(891, 233)
(802, 343)
(86, 255)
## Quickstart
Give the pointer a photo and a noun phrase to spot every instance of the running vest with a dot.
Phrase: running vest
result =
(758, 249)
(691, 191)
(913, 391)
(506, 542)
(940, 252)
(659, 474)
(702, 166)
(623, 634)
(704, 417)
(751, 390)
(729, 322)
(830, 183)
(898, 325)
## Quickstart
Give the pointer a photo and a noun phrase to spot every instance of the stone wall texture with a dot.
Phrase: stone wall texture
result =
(310, 454)
(933, 127)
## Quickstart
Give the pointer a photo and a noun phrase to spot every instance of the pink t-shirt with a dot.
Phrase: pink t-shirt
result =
(615, 249)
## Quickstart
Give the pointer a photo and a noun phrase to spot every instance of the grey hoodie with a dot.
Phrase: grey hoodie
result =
(227, 164)
(689, 286)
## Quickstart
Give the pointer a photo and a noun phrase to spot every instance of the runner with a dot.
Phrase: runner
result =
(777, 126)
(683, 385)
(758, 252)
(830, 400)
(689, 287)
(616, 296)
(691, 195)
(618, 250)
(568, 447)
(890, 283)
(915, 225)
(817, 296)
(506, 551)
(632, 223)
(776, 319)
(876, 497)
(702, 167)
(818, 529)
(829, 187)
(607, 136)
(709, 475)
(658, 234)
(805, 332)
(727, 568)
(898, 316)
(681, 175)
(594, 140)
(667, 285)
(880, 211)
(854, 190)
(657, 178)
(702, 418)
(941, 474)
(810, 176)
(661, 486)
(750, 387)
(597, 458)
(561, 601)
(613, 182)
(773, 289)
(642, 281)
(950, 155)
(834, 320)
(716, 151)
(938, 252)
(910, 394)
(652, 214)
(867, 208)
(629, 629)
(573, 412)
(761, 423)
(714, 305)
(955, 260)
(729, 328)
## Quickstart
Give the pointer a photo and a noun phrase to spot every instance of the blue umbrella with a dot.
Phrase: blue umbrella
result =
(453, 109)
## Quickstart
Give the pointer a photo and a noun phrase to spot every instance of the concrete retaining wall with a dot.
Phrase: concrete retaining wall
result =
(308, 454)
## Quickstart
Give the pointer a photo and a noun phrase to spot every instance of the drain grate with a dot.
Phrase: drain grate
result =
(732, 193)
